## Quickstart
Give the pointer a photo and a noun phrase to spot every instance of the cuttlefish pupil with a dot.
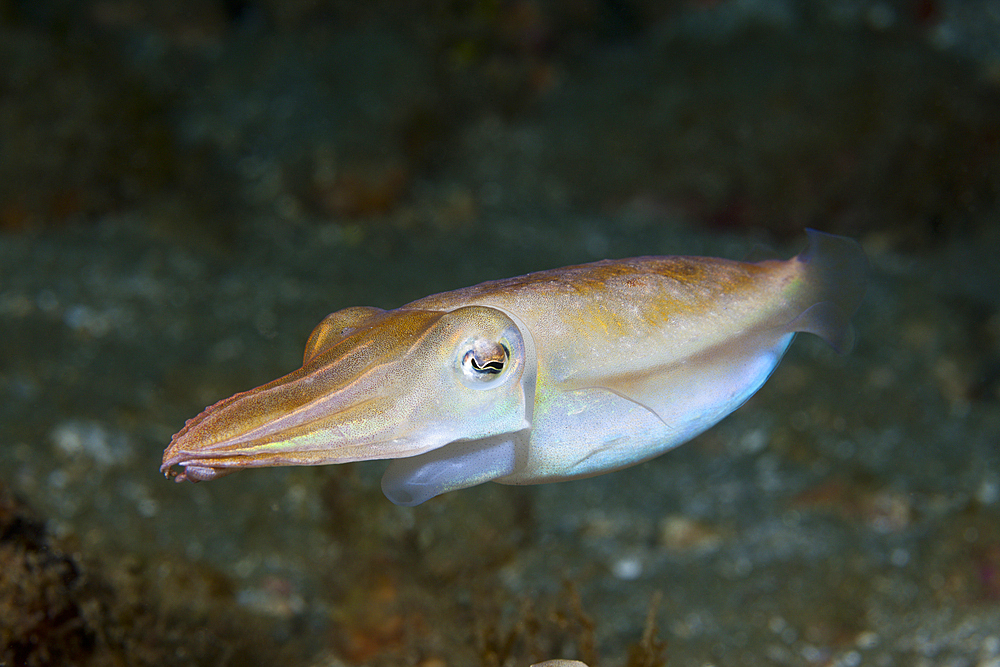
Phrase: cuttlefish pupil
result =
(561, 374)
(486, 357)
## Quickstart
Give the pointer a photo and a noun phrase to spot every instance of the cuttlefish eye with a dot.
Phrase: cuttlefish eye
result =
(484, 360)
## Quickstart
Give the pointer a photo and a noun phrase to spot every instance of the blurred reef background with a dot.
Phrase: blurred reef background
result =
(187, 188)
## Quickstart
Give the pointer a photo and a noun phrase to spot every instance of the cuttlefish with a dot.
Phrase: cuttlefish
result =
(551, 376)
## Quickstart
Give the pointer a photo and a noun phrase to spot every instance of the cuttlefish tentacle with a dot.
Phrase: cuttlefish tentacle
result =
(550, 376)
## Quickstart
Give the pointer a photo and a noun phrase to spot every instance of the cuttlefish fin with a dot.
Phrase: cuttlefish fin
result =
(834, 277)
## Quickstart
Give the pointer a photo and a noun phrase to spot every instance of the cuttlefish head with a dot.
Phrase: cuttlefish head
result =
(374, 384)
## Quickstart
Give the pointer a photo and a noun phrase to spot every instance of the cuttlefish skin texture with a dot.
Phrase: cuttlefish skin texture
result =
(551, 376)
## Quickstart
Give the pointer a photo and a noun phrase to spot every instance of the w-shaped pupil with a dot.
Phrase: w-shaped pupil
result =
(487, 357)
(491, 366)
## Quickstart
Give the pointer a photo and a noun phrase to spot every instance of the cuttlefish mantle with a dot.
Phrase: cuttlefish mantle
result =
(551, 376)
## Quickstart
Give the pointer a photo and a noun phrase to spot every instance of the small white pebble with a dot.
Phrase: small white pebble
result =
(851, 659)
(85, 319)
(988, 492)
(753, 441)
(627, 569)
(67, 439)
(297, 494)
(148, 508)
(74, 438)
(246, 566)
(811, 653)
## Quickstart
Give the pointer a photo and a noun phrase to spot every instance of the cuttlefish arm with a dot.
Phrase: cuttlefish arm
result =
(551, 376)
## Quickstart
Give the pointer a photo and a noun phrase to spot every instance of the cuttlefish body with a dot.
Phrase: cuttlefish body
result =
(551, 376)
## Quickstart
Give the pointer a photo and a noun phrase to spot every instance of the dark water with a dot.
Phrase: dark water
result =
(187, 192)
